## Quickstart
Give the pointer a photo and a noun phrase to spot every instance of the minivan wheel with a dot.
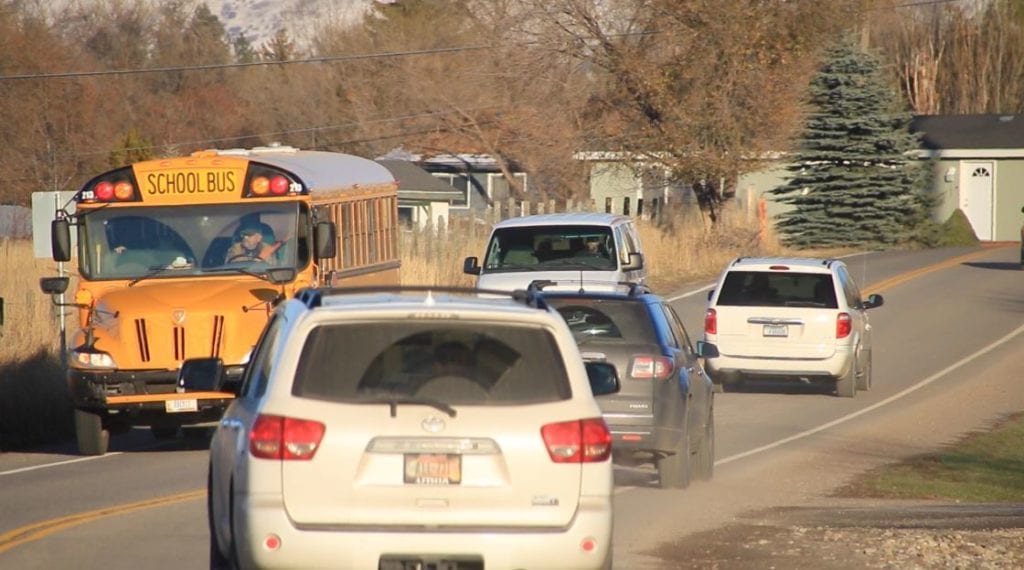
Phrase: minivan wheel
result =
(846, 385)
(674, 470)
(92, 438)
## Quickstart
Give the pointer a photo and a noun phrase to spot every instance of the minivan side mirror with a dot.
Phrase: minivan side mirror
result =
(636, 261)
(873, 300)
(60, 240)
(471, 266)
(604, 379)
(706, 349)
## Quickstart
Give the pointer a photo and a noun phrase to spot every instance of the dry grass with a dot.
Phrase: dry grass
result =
(30, 318)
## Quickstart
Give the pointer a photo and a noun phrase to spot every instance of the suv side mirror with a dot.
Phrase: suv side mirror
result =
(326, 239)
(202, 375)
(636, 261)
(706, 349)
(873, 300)
(604, 379)
(60, 240)
(711, 294)
(471, 266)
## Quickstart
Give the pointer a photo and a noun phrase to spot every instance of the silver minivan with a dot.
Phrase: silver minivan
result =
(560, 248)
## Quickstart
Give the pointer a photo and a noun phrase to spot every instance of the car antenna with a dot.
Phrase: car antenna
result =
(581, 282)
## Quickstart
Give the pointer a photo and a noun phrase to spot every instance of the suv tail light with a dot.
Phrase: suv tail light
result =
(844, 324)
(711, 322)
(578, 441)
(646, 366)
(276, 437)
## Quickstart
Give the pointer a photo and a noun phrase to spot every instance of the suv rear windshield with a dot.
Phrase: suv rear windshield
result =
(606, 319)
(778, 289)
(458, 363)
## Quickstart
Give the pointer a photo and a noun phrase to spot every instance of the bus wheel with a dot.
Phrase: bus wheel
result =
(92, 438)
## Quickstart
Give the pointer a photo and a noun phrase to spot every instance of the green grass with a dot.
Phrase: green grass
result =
(982, 467)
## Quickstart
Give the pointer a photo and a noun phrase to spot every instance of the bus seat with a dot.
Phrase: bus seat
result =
(216, 252)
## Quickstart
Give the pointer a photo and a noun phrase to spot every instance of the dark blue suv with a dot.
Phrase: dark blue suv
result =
(664, 411)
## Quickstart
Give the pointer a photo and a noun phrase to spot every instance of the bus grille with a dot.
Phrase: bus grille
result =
(140, 334)
(179, 343)
(218, 335)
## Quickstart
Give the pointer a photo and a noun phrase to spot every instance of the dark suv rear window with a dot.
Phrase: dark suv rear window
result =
(457, 363)
(623, 320)
(778, 289)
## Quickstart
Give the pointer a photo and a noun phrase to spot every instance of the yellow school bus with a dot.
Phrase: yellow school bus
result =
(185, 257)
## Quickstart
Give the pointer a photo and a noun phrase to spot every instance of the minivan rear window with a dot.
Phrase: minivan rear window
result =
(778, 289)
(456, 363)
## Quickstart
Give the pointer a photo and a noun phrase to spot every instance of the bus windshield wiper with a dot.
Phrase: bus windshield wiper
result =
(240, 270)
(157, 270)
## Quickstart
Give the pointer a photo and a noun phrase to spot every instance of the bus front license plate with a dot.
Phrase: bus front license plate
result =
(184, 405)
(776, 330)
(433, 468)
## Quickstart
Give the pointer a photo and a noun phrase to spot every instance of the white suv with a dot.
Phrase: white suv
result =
(412, 428)
(798, 318)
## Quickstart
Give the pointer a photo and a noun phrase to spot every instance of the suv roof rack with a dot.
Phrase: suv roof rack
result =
(313, 296)
(633, 289)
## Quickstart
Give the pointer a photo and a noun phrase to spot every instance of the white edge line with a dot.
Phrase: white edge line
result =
(58, 463)
(876, 405)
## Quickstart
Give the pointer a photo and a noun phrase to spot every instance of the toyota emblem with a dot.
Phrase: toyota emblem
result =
(433, 424)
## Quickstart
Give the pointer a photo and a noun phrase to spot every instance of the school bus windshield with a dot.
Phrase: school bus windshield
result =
(180, 241)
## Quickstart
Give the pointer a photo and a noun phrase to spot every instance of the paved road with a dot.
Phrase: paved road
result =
(777, 446)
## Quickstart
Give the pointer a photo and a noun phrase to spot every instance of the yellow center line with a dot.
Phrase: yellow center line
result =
(910, 275)
(35, 531)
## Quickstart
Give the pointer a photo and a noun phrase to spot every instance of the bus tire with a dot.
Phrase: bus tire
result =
(92, 438)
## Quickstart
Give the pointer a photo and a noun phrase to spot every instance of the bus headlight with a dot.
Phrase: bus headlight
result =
(85, 358)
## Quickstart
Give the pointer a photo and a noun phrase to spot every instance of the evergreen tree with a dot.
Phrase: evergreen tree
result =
(854, 176)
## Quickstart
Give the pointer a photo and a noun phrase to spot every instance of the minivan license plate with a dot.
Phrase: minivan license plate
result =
(433, 468)
(776, 330)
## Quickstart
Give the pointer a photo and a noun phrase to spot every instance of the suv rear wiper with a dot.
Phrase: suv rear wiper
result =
(395, 400)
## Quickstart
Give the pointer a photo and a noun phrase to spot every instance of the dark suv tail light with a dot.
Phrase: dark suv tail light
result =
(844, 324)
(647, 366)
(578, 441)
(276, 437)
(711, 322)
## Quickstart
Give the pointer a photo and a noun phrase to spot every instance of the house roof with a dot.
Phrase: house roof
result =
(414, 183)
(944, 132)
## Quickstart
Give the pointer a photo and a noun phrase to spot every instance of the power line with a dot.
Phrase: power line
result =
(208, 67)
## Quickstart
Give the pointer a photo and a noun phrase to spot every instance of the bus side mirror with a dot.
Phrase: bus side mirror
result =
(326, 239)
(471, 266)
(60, 240)
(636, 261)
(54, 285)
(201, 375)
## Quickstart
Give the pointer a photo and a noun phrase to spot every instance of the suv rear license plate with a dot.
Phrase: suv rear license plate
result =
(776, 330)
(181, 405)
(433, 468)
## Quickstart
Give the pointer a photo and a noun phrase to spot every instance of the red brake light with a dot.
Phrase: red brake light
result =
(779, 268)
(646, 366)
(711, 322)
(279, 185)
(276, 437)
(844, 324)
(578, 441)
(104, 191)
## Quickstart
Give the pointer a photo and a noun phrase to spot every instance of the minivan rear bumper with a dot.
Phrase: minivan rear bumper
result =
(350, 546)
(726, 369)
